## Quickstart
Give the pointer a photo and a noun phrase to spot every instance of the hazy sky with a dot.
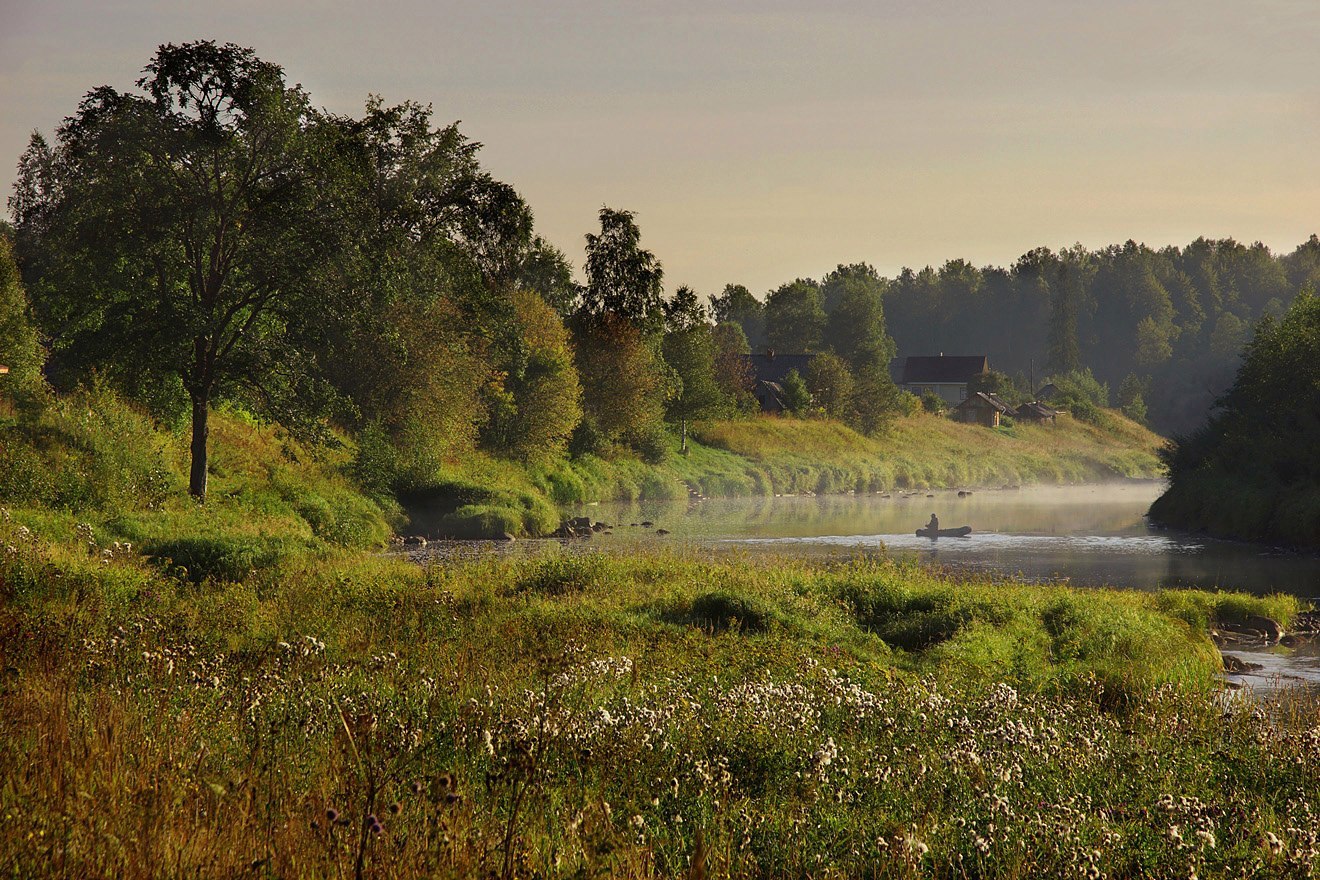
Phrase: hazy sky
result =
(761, 141)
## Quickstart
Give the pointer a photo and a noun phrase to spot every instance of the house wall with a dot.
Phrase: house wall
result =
(952, 393)
(978, 416)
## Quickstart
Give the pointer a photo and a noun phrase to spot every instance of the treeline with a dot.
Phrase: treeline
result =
(1155, 332)
(1162, 328)
(213, 237)
(1252, 472)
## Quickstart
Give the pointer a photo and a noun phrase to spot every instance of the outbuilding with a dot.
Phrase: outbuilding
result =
(981, 408)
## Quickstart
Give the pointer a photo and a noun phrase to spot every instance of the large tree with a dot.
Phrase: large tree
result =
(617, 335)
(623, 278)
(795, 317)
(689, 350)
(855, 326)
(737, 305)
(183, 224)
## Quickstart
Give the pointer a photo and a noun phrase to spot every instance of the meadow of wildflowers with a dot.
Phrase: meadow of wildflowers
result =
(342, 715)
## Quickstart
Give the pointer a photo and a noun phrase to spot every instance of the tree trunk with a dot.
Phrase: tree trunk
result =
(197, 476)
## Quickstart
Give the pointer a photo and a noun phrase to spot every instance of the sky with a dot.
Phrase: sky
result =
(759, 142)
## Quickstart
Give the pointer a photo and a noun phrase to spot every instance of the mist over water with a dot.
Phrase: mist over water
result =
(1094, 535)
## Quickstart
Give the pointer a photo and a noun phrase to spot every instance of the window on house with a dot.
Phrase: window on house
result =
(962, 393)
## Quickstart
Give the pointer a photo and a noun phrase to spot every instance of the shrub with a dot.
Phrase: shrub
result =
(722, 610)
(217, 558)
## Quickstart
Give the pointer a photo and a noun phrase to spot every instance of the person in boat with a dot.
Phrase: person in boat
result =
(934, 524)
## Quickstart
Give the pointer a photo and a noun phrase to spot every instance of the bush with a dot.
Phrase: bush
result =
(722, 611)
(220, 558)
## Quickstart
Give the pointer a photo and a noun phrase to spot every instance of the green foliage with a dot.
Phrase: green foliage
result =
(1251, 472)
(933, 403)
(855, 322)
(536, 406)
(689, 350)
(1131, 400)
(623, 279)
(830, 383)
(624, 382)
(795, 317)
(20, 349)
(724, 611)
(733, 373)
(994, 382)
(86, 451)
(797, 396)
(736, 305)
(1080, 394)
(220, 558)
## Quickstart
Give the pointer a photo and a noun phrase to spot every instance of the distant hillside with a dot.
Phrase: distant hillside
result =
(930, 451)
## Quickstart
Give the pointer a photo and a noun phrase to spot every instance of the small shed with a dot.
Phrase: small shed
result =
(1035, 411)
(981, 408)
(1048, 391)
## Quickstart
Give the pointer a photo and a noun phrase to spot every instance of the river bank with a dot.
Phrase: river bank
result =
(630, 715)
(782, 456)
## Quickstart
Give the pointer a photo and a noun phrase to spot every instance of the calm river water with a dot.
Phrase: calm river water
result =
(1083, 535)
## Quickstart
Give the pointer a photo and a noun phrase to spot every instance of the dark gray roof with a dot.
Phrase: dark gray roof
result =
(1036, 410)
(954, 368)
(984, 400)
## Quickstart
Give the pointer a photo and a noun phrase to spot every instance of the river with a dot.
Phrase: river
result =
(1094, 535)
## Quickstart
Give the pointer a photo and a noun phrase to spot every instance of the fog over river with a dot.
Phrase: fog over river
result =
(1092, 535)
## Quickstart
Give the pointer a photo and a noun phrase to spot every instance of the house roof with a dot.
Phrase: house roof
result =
(954, 368)
(772, 367)
(1036, 410)
(984, 400)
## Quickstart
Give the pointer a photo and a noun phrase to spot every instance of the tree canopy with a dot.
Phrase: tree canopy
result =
(184, 223)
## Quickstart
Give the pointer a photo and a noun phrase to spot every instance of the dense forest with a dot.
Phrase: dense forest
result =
(1160, 331)
(1252, 472)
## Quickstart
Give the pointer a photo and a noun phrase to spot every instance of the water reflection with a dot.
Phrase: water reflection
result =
(1087, 535)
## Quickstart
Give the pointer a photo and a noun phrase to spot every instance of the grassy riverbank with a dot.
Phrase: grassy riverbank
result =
(92, 453)
(926, 451)
(571, 715)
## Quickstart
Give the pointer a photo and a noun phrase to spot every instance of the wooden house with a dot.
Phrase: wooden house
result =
(1035, 411)
(944, 376)
(981, 408)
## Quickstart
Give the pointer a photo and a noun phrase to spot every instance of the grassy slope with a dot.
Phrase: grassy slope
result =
(928, 451)
(89, 458)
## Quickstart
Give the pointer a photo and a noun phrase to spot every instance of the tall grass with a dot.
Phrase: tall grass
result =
(578, 715)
